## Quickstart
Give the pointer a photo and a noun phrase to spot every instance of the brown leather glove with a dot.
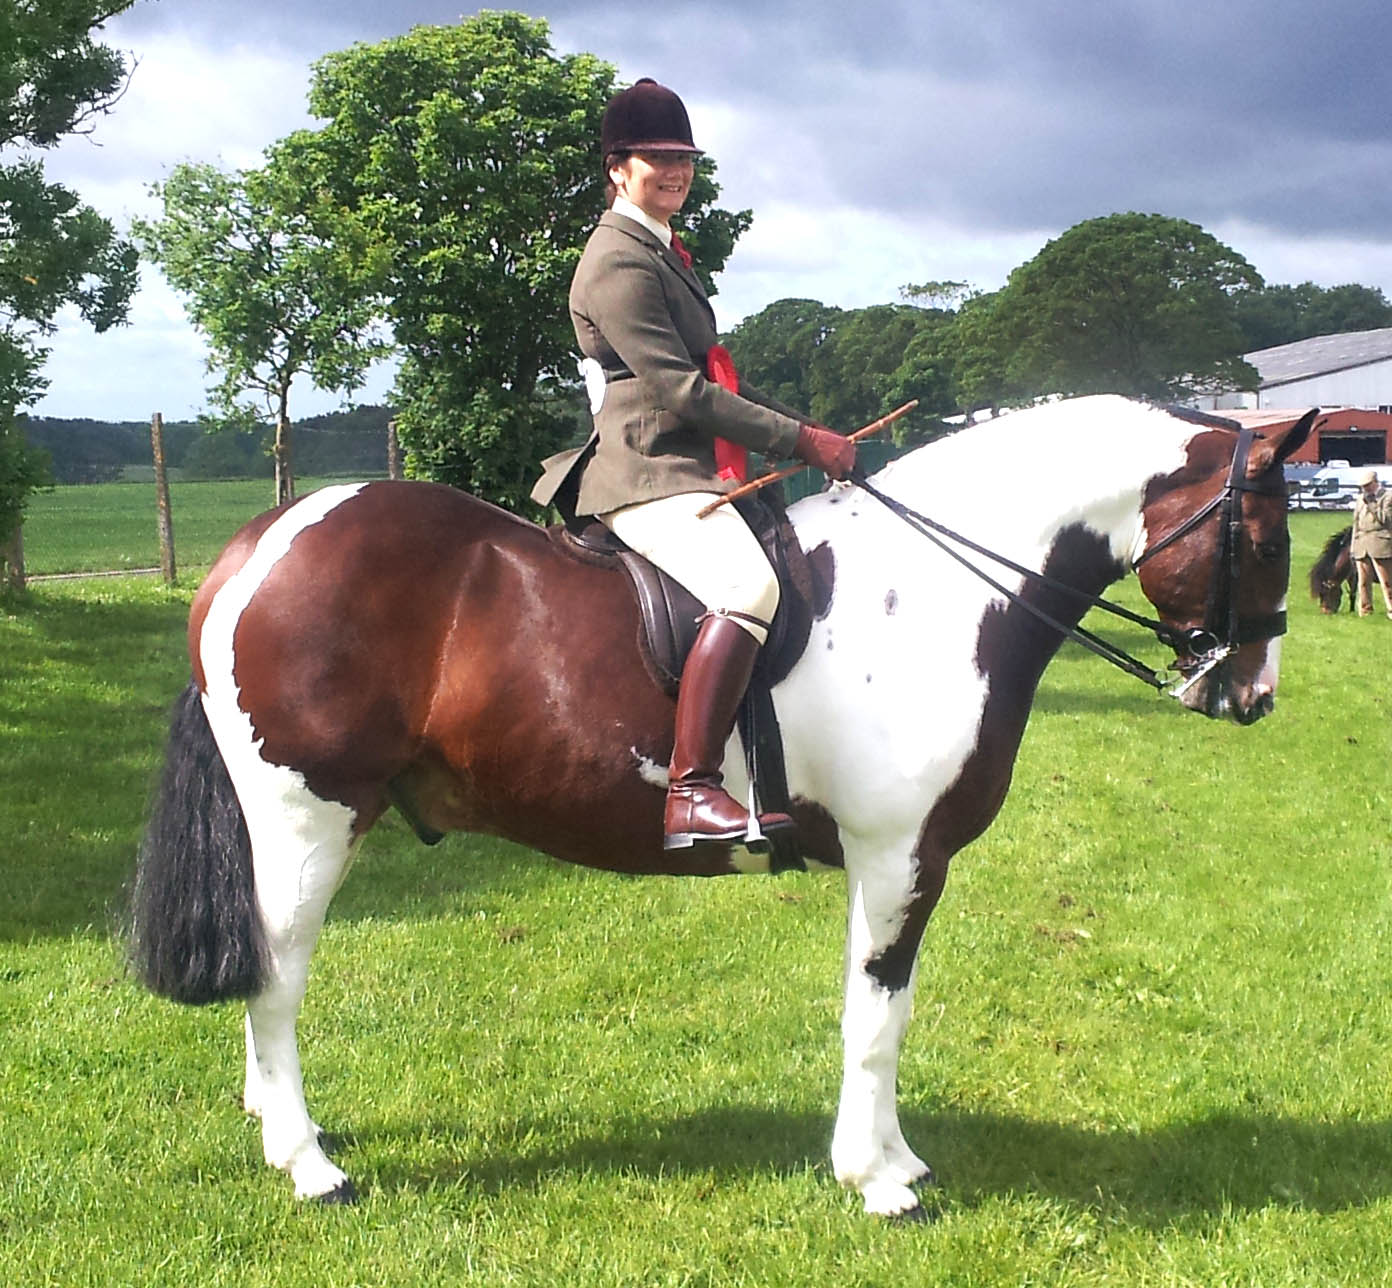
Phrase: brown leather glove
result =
(828, 452)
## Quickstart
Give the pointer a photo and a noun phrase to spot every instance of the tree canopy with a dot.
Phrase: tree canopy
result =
(845, 368)
(279, 286)
(55, 80)
(1273, 315)
(1129, 303)
(471, 154)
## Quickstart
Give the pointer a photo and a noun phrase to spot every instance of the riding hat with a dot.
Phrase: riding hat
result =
(646, 117)
(1368, 476)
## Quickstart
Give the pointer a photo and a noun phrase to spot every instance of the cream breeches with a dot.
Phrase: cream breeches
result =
(718, 559)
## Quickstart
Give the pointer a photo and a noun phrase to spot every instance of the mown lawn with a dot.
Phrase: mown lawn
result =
(1150, 1047)
(103, 527)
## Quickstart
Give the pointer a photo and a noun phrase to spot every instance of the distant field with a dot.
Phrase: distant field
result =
(99, 527)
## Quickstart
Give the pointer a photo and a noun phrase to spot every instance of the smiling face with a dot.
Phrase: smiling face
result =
(656, 182)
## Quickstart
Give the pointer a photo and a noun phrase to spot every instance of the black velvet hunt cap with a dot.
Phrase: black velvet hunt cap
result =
(646, 117)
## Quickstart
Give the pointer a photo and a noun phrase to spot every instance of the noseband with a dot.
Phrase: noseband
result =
(1224, 629)
(1200, 648)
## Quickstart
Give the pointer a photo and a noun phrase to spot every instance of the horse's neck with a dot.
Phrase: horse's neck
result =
(1016, 483)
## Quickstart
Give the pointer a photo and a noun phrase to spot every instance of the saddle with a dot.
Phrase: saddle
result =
(670, 617)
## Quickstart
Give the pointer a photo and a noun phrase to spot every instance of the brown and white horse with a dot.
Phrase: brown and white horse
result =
(404, 642)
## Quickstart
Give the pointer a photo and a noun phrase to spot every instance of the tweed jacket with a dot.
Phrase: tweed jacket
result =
(1372, 526)
(642, 319)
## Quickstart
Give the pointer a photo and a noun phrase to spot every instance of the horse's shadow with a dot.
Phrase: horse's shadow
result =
(1145, 1177)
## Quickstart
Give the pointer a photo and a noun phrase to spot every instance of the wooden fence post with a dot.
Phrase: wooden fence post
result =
(166, 522)
(393, 451)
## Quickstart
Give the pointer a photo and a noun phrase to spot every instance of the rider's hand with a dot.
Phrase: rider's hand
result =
(829, 452)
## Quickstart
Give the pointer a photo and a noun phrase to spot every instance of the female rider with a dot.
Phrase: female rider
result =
(646, 330)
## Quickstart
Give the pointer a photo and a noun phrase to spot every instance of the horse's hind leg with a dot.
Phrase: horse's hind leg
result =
(301, 847)
(890, 900)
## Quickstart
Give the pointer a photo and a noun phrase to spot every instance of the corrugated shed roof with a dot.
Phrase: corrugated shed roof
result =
(1321, 354)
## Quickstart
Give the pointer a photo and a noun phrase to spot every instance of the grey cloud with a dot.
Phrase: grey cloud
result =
(1004, 114)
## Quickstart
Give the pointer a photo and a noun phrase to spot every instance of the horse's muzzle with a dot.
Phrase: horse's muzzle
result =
(1242, 688)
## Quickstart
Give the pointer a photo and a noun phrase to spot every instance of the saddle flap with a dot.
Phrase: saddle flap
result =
(670, 613)
(671, 616)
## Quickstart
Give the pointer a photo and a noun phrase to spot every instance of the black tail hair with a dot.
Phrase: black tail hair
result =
(195, 932)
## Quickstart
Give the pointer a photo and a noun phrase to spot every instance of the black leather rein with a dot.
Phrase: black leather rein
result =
(1199, 648)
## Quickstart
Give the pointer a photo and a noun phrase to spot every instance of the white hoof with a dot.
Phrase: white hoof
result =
(317, 1178)
(889, 1198)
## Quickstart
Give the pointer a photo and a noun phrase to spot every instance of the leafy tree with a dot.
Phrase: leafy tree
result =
(848, 367)
(775, 349)
(471, 153)
(935, 294)
(1273, 315)
(54, 81)
(925, 373)
(280, 283)
(865, 370)
(1128, 303)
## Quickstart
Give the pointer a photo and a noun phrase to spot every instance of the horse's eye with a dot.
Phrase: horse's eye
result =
(1268, 551)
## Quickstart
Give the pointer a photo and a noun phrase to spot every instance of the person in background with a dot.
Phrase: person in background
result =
(672, 426)
(1371, 545)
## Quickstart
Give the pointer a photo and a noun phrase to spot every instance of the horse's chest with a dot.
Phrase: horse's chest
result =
(885, 709)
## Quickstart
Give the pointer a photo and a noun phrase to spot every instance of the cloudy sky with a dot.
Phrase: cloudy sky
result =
(878, 142)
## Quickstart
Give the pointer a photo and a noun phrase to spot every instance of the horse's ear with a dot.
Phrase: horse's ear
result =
(1269, 452)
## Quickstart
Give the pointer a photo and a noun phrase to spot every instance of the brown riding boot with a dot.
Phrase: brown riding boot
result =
(699, 810)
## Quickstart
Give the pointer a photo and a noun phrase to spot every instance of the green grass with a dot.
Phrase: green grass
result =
(103, 527)
(1150, 1046)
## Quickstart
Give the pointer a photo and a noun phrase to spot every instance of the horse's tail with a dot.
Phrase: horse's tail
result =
(195, 932)
(1323, 571)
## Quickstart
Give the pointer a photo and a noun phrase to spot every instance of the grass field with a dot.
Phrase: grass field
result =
(1150, 1046)
(102, 527)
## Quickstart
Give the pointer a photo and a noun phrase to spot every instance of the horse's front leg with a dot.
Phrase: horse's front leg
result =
(891, 897)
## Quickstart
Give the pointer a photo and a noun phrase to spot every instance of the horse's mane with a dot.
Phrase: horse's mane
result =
(1323, 569)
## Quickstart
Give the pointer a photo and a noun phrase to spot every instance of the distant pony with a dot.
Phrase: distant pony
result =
(1334, 570)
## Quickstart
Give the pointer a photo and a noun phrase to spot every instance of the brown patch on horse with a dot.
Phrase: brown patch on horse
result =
(819, 836)
(1013, 648)
(416, 633)
(234, 555)
(821, 568)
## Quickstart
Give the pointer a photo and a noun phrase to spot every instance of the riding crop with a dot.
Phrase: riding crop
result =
(754, 485)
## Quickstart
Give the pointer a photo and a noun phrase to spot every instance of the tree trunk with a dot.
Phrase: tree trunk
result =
(166, 521)
(284, 473)
(12, 560)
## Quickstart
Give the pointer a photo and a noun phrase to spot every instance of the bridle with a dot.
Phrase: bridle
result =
(1224, 629)
(1199, 648)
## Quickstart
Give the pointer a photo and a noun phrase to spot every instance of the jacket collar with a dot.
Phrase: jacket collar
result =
(639, 232)
(622, 206)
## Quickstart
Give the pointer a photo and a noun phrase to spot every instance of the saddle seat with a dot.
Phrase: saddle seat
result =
(671, 614)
